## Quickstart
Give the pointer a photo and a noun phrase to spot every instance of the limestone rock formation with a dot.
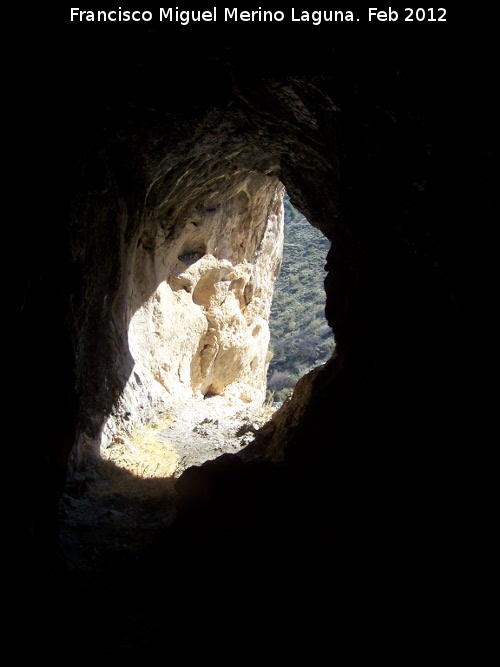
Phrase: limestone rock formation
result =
(204, 330)
(178, 239)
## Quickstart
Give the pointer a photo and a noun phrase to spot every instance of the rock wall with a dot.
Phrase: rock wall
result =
(204, 329)
(176, 235)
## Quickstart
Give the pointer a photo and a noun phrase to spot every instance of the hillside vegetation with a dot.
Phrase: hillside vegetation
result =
(300, 337)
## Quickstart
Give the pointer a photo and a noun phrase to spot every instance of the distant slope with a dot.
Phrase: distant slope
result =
(300, 336)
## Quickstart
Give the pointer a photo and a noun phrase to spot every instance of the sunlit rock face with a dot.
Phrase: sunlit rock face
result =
(181, 313)
(176, 239)
(204, 329)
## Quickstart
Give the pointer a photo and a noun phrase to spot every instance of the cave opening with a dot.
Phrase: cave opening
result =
(234, 318)
(198, 338)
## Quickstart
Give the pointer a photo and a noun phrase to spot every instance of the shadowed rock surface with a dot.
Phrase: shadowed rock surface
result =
(366, 486)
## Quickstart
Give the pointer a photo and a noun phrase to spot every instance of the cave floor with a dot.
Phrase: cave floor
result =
(148, 583)
(110, 513)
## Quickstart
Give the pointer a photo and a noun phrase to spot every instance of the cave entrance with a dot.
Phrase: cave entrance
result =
(224, 320)
(199, 337)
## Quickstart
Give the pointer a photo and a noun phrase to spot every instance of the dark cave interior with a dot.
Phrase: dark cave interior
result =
(378, 476)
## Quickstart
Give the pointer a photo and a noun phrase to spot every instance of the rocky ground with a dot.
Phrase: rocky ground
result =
(170, 564)
(112, 512)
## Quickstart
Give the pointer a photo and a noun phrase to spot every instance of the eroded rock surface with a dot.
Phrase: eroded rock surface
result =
(204, 330)
(194, 314)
